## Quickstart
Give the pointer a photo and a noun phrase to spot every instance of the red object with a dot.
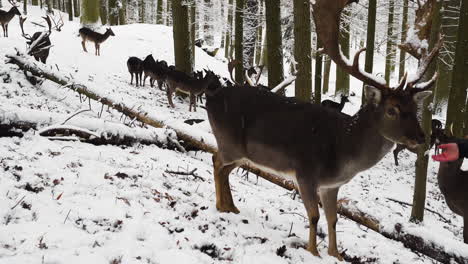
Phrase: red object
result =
(450, 152)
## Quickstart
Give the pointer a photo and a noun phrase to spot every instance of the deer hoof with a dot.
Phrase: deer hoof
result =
(227, 209)
(336, 254)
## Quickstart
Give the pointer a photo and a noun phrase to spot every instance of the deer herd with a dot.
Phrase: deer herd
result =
(318, 148)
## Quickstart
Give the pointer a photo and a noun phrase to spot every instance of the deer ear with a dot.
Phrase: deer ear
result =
(419, 97)
(373, 95)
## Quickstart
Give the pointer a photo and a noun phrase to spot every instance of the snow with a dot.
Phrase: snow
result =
(96, 204)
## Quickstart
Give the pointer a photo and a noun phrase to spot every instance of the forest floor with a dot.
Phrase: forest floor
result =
(71, 202)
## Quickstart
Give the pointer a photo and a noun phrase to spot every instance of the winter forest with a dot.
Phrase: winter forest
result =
(233, 131)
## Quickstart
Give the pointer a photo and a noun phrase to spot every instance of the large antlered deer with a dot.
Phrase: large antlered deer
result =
(316, 147)
(39, 43)
(6, 17)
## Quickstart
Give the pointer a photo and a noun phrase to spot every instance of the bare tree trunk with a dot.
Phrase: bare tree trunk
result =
(123, 13)
(318, 75)
(250, 31)
(207, 25)
(182, 49)
(389, 56)
(103, 12)
(113, 13)
(303, 50)
(229, 29)
(90, 12)
(239, 40)
(169, 13)
(458, 93)
(223, 32)
(326, 74)
(274, 42)
(404, 25)
(342, 78)
(193, 21)
(159, 13)
(370, 42)
(259, 47)
(70, 10)
(76, 8)
(142, 11)
(25, 7)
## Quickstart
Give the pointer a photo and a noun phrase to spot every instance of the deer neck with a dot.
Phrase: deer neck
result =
(9, 15)
(363, 144)
(104, 37)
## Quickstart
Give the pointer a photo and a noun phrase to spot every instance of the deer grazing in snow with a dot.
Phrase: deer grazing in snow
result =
(92, 36)
(334, 105)
(7, 16)
(437, 134)
(317, 148)
(453, 184)
(156, 70)
(135, 67)
(192, 85)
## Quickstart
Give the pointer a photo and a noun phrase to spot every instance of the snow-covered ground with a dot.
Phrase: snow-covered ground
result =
(68, 202)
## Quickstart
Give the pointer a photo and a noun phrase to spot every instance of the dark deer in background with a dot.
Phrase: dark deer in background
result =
(156, 70)
(437, 134)
(39, 43)
(6, 17)
(318, 148)
(334, 105)
(453, 184)
(192, 85)
(92, 36)
(135, 67)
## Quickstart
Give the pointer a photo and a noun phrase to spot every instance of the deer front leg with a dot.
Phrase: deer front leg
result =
(169, 95)
(6, 30)
(224, 202)
(192, 102)
(160, 85)
(83, 43)
(329, 200)
(131, 79)
(310, 198)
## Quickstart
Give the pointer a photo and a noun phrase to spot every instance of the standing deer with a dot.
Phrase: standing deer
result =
(6, 17)
(317, 148)
(92, 36)
(135, 67)
(39, 43)
(334, 105)
(194, 86)
(156, 70)
(453, 184)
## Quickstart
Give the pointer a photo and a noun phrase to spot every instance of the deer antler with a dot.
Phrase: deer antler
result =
(59, 24)
(22, 19)
(231, 65)
(327, 20)
(13, 3)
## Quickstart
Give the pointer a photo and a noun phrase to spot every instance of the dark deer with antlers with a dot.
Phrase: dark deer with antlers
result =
(92, 36)
(39, 43)
(7, 16)
(317, 148)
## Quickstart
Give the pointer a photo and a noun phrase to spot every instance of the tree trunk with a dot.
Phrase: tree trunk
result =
(419, 197)
(389, 55)
(342, 78)
(326, 74)
(207, 23)
(76, 8)
(113, 13)
(59, 4)
(370, 42)
(70, 10)
(239, 40)
(159, 13)
(182, 49)
(1, 4)
(193, 15)
(229, 28)
(142, 11)
(445, 60)
(90, 13)
(458, 93)
(318, 75)
(303, 50)
(169, 12)
(25, 7)
(250, 31)
(258, 45)
(404, 28)
(49, 6)
(104, 8)
(275, 50)
(123, 13)
(223, 31)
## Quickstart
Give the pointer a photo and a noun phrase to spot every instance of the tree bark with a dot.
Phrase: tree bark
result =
(370, 42)
(193, 21)
(318, 75)
(250, 31)
(303, 50)
(342, 78)
(274, 42)
(113, 13)
(169, 12)
(207, 23)
(419, 197)
(90, 13)
(76, 8)
(103, 11)
(70, 10)
(389, 55)
(258, 45)
(123, 13)
(228, 45)
(404, 28)
(458, 93)
(326, 74)
(159, 13)
(181, 33)
(239, 40)
(25, 7)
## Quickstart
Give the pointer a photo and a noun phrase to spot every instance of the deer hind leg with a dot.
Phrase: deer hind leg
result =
(96, 46)
(224, 202)
(193, 101)
(329, 200)
(310, 198)
(160, 85)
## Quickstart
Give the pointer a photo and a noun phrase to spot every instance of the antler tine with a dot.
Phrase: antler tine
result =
(49, 23)
(402, 82)
(247, 78)
(231, 64)
(426, 60)
(259, 74)
(327, 15)
(13, 3)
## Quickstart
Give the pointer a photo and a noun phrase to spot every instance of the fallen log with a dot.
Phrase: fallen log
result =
(444, 253)
(86, 129)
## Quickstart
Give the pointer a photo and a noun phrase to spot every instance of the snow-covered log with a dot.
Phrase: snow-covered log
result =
(91, 130)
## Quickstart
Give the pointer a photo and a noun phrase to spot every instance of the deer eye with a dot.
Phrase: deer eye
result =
(392, 112)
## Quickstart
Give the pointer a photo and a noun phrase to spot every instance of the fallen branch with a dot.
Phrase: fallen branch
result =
(429, 210)
(186, 173)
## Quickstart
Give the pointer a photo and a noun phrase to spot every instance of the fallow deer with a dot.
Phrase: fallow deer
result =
(7, 16)
(437, 133)
(92, 36)
(453, 183)
(156, 70)
(177, 80)
(334, 105)
(317, 148)
(135, 67)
